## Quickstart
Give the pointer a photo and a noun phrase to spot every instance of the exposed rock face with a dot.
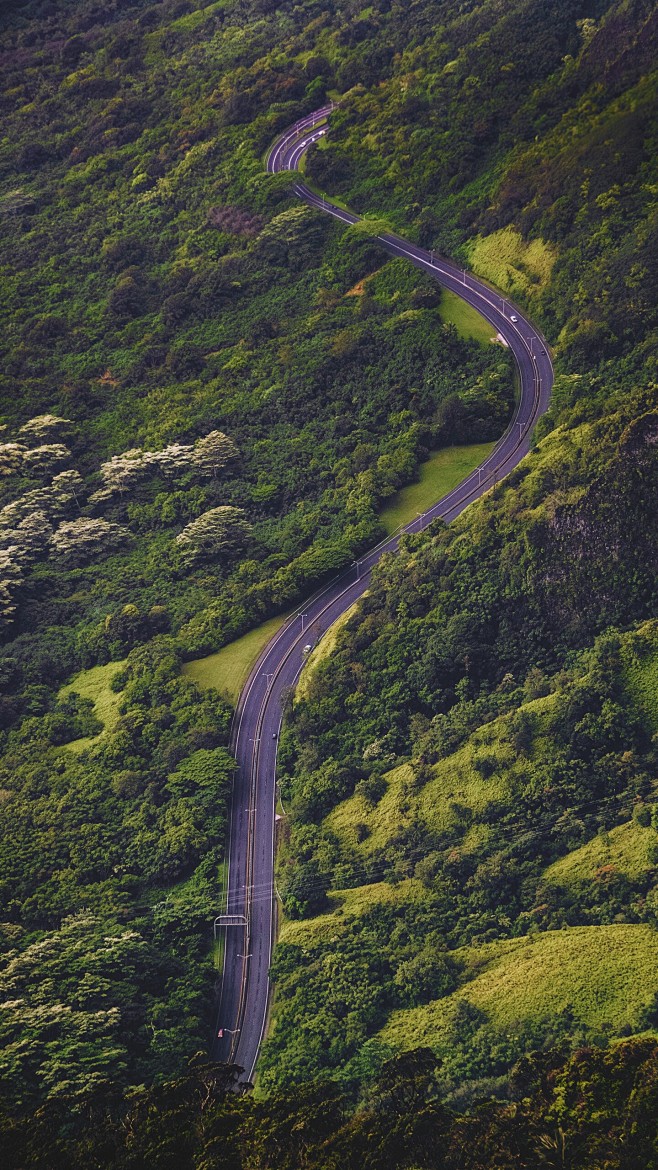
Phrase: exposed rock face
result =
(610, 533)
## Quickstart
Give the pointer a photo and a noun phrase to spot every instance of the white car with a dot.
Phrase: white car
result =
(307, 649)
(514, 319)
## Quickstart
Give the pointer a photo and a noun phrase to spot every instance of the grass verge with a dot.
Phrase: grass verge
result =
(324, 649)
(469, 324)
(436, 477)
(228, 669)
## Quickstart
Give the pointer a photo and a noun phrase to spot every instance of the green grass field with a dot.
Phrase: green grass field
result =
(436, 477)
(607, 975)
(467, 321)
(94, 684)
(625, 847)
(345, 906)
(228, 668)
(480, 774)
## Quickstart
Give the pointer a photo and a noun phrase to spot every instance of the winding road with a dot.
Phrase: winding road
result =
(250, 921)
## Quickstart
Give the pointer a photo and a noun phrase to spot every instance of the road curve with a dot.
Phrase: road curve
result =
(245, 988)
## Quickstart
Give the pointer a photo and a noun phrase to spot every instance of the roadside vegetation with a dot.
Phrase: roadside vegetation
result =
(227, 669)
(436, 476)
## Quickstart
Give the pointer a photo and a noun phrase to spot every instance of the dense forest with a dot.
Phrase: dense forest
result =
(198, 426)
(596, 1109)
(208, 394)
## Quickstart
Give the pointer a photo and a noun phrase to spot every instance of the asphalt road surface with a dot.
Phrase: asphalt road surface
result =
(248, 939)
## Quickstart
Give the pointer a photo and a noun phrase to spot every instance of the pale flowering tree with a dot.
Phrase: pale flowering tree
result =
(221, 530)
(11, 458)
(19, 548)
(174, 460)
(45, 428)
(76, 542)
(44, 460)
(11, 577)
(123, 472)
(213, 452)
(120, 473)
(55, 500)
(29, 539)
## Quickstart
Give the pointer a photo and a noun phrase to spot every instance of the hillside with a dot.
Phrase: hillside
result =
(484, 722)
(213, 398)
(200, 422)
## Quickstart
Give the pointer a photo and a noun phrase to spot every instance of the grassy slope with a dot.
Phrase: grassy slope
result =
(456, 785)
(346, 905)
(625, 848)
(642, 681)
(228, 668)
(323, 650)
(94, 684)
(517, 266)
(607, 974)
(437, 476)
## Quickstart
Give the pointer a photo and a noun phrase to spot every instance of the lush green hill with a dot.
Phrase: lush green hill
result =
(603, 977)
(210, 393)
(199, 424)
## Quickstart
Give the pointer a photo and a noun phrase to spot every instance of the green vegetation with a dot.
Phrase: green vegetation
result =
(467, 321)
(498, 741)
(504, 787)
(228, 668)
(608, 979)
(95, 685)
(627, 849)
(598, 1106)
(642, 674)
(201, 426)
(520, 267)
(320, 653)
(346, 906)
(111, 868)
(436, 477)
